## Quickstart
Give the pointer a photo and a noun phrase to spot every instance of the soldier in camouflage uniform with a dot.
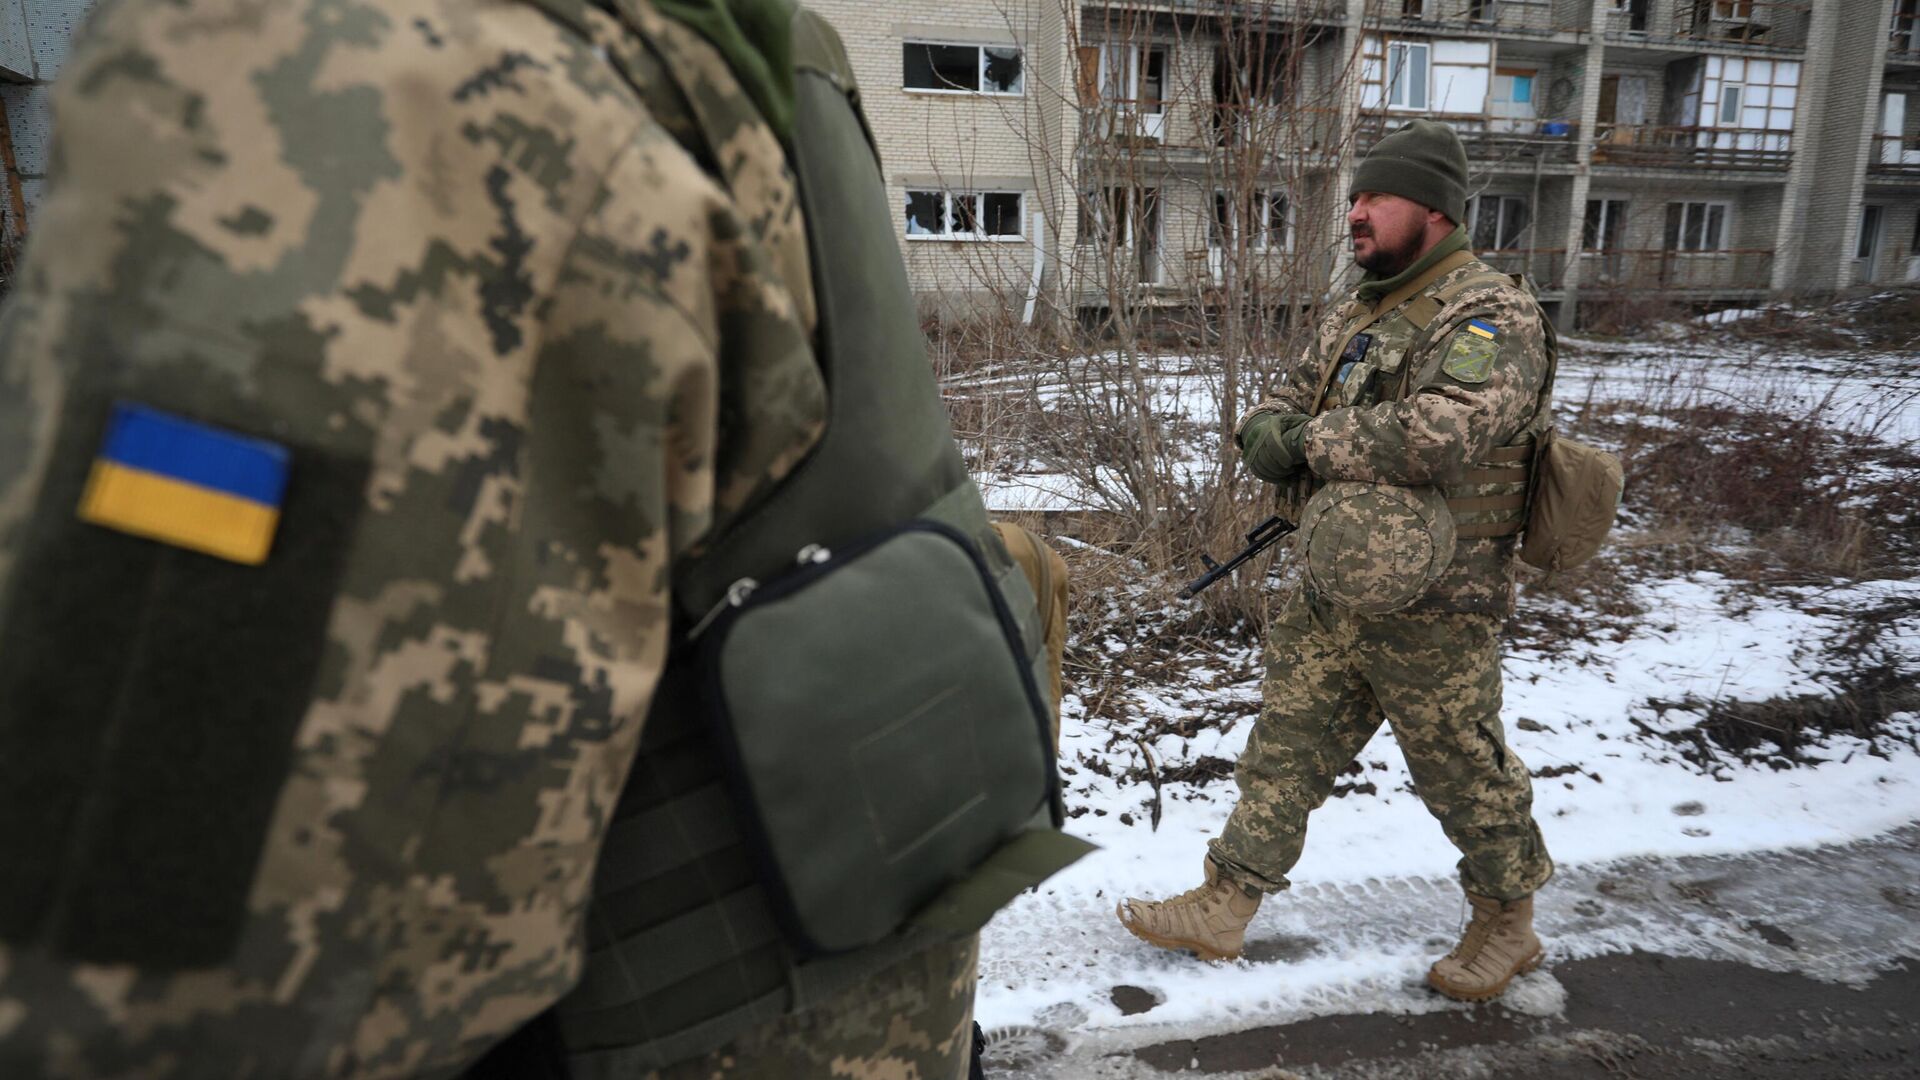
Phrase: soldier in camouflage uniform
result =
(529, 341)
(1435, 372)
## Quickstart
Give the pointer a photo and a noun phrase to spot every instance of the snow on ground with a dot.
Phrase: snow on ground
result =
(1057, 955)
(1616, 790)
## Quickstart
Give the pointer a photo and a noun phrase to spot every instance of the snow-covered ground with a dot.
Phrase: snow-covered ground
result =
(1607, 787)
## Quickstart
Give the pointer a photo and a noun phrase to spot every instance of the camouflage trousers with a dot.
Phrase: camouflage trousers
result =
(913, 1021)
(1332, 676)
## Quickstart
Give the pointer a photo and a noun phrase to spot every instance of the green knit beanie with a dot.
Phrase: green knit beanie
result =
(1423, 161)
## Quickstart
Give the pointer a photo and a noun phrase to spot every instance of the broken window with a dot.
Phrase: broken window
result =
(1000, 74)
(926, 213)
(1001, 213)
(967, 69)
(965, 215)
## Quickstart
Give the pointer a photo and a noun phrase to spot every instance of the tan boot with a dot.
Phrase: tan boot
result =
(1210, 920)
(1499, 944)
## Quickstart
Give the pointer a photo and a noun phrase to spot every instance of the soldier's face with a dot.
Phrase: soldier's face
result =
(1388, 231)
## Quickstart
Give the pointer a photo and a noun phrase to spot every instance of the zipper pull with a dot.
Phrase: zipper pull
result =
(812, 553)
(737, 594)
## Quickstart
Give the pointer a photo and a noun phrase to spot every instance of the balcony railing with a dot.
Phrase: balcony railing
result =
(1503, 16)
(1490, 139)
(1545, 267)
(1744, 22)
(1738, 269)
(1712, 147)
(1270, 127)
(1895, 155)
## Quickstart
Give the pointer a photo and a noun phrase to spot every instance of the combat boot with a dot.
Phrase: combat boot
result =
(1211, 920)
(1499, 944)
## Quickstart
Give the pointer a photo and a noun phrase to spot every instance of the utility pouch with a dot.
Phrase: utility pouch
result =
(881, 723)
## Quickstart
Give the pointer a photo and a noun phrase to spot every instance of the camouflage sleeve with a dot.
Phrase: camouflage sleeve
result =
(1475, 389)
(530, 352)
(1298, 382)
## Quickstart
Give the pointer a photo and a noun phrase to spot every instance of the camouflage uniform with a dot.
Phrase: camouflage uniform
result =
(1432, 670)
(455, 254)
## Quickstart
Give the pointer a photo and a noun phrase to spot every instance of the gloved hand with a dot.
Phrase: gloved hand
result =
(1274, 445)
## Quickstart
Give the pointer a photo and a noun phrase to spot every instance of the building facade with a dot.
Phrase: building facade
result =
(34, 35)
(1052, 154)
(1707, 151)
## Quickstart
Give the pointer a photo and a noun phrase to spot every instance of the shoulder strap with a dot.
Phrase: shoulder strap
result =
(1388, 303)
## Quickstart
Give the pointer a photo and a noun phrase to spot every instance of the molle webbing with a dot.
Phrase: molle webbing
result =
(684, 954)
(1499, 507)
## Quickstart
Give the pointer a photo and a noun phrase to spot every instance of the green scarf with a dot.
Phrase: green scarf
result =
(1373, 288)
(756, 38)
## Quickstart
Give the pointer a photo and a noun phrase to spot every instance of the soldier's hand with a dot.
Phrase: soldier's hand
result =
(1274, 445)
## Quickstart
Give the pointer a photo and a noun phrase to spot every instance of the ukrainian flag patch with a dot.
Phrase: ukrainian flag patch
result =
(1483, 328)
(184, 483)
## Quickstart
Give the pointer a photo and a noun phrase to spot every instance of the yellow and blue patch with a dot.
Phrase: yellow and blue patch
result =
(183, 483)
(1470, 357)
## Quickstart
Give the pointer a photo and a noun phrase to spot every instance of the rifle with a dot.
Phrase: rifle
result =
(1263, 536)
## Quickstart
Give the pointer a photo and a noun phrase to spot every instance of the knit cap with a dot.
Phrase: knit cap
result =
(1423, 161)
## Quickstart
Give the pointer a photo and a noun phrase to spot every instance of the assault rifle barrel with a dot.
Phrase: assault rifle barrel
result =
(1262, 537)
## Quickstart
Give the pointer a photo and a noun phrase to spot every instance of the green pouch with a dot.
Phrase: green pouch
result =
(881, 722)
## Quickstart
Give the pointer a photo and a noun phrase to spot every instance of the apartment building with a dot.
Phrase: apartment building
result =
(1712, 151)
(1077, 156)
(34, 35)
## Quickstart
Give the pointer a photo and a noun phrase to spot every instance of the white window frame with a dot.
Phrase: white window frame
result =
(1395, 76)
(1262, 238)
(1500, 219)
(1731, 93)
(1705, 207)
(948, 216)
(979, 68)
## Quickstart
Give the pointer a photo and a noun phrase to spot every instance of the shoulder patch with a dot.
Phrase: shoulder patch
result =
(1470, 357)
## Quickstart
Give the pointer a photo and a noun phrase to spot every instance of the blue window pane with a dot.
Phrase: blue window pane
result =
(1522, 88)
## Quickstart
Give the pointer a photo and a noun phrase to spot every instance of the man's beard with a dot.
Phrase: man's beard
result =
(1388, 262)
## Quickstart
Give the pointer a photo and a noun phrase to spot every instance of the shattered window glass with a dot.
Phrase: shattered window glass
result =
(925, 216)
(966, 213)
(941, 67)
(1001, 71)
(1002, 213)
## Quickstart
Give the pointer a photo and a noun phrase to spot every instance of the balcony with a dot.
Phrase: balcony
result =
(1554, 142)
(1735, 270)
(1903, 40)
(1692, 147)
(1894, 156)
(1767, 26)
(1545, 267)
(1492, 16)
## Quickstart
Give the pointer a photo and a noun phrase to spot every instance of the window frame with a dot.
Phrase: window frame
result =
(1261, 239)
(951, 215)
(1500, 220)
(1706, 207)
(1394, 80)
(979, 68)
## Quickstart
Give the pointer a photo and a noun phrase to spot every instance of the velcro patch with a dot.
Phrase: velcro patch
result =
(1470, 357)
(1482, 328)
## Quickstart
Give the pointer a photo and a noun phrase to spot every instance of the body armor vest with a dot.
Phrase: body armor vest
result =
(1488, 504)
(684, 950)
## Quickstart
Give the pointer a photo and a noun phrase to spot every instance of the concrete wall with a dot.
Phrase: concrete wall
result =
(34, 38)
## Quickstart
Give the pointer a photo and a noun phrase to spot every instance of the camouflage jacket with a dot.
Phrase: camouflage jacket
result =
(452, 257)
(1443, 395)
